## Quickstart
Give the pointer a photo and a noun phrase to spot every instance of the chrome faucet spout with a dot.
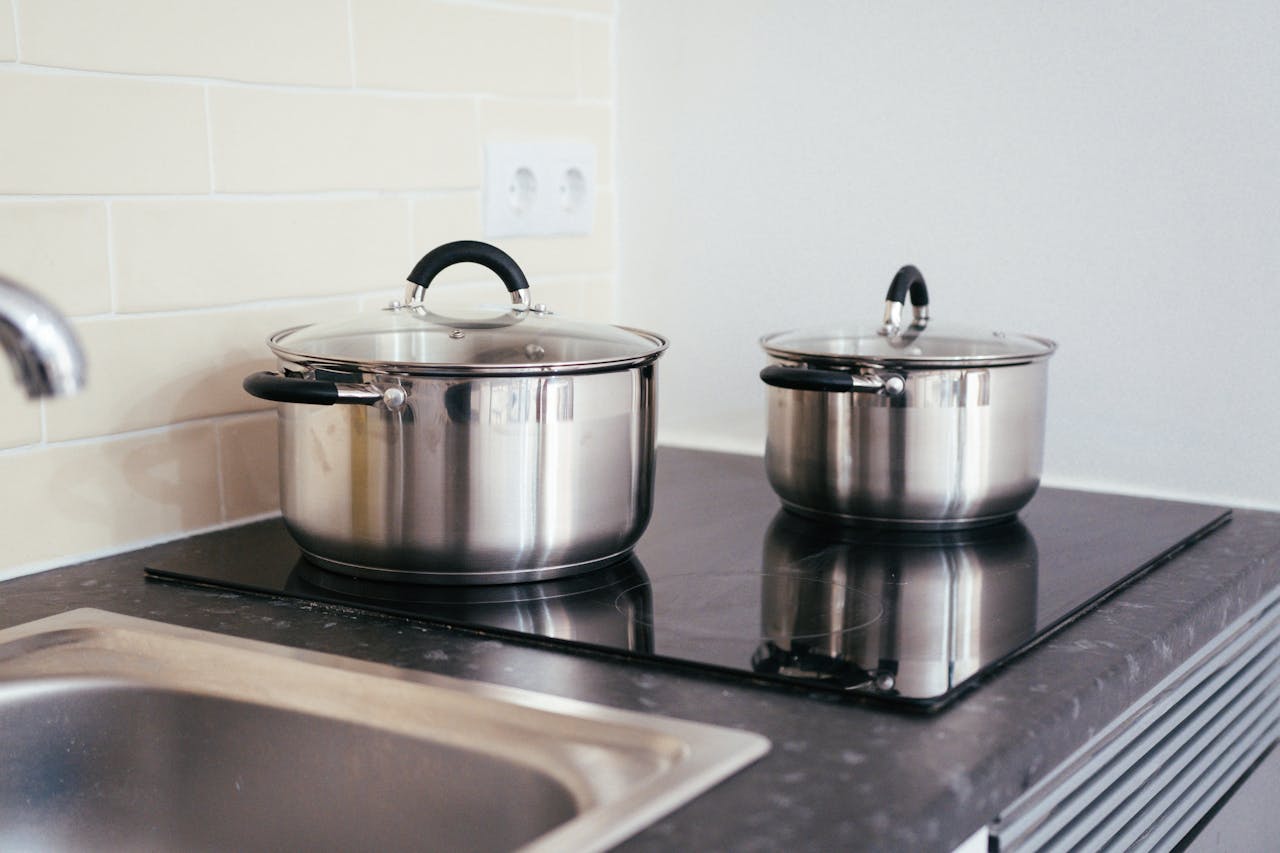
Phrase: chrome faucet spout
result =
(46, 354)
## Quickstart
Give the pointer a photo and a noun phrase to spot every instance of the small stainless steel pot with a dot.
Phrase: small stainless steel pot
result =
(921, 427)
(481, 449)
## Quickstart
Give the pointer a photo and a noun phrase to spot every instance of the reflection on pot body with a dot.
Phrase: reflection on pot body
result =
(907, 613)
(507, 402)
(473, 480)
(610, 607)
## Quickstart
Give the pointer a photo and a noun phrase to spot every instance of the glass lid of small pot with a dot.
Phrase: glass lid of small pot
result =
(918, 343)
(411, 337)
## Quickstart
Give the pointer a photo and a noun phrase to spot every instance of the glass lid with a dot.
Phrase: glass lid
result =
(522, 338)
(935, 344)
(918, 343)
(411, 337)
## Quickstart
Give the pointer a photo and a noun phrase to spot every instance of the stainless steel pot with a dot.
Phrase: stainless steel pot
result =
(920, 427)
(479, 449)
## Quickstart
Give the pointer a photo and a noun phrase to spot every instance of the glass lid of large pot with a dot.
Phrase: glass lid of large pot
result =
(410, 337)
(918, 343)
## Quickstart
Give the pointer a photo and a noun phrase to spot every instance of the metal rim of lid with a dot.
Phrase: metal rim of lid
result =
(424, 368)
(904, 361)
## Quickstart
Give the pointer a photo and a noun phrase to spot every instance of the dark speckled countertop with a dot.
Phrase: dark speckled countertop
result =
(840, 775)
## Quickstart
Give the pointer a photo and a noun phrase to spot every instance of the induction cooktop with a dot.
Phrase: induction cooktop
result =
(724, 580)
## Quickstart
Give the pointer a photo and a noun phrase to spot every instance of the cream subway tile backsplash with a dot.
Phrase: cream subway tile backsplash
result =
(574, 297)
(564, 297)
(595, 59)
(379, 299)
(20, 423)
(273, 41)
(598, 6)
(249, 464)
(549, 256)
(88, 496)
(191, 253)
(537, 256)
(185, 178)
(597, 301)
(514, 121)
(74, 134)
(58, 248)
(448, 47)
(440, 219)
(179, 367)
(274, 141)
(8, 38)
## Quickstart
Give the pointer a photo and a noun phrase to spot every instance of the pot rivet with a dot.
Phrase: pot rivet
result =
(534, 352)
(884, 681)
(457, 334)
(394, 398)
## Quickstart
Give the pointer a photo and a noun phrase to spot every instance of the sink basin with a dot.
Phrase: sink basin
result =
(124, 733)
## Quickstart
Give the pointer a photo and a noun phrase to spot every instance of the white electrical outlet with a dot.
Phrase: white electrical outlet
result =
(539, 189)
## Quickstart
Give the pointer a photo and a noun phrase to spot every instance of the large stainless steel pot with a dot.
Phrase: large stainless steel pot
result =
(920, 427)
(479, 449)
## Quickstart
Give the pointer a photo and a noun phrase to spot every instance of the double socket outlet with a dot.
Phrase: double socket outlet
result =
(540, 189)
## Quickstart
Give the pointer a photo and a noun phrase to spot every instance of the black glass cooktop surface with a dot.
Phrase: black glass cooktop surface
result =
(725, 580)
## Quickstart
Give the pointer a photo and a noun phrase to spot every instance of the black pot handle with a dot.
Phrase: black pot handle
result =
(815, 379)
(318, 392)
(468, 251)
(908, 279)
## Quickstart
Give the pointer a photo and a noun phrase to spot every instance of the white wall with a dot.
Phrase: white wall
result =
(1104, 174)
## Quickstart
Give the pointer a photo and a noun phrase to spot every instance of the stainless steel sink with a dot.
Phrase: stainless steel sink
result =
(122, 733)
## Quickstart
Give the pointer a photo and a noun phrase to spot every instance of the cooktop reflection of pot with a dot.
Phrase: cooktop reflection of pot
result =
(905, 613)
(732, 585)
(609, 607)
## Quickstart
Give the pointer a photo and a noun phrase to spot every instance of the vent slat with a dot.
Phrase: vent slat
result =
(1208, 714)
(1194, 812)
(1194, 778)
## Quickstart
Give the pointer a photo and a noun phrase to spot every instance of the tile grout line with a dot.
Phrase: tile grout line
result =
(213, 421)
(519, 9)
(578, 62)
(38, 566)
(477, 126)
(572, 277)
(265, 197)
(369, 194)
(217, 462)
(112, 295)
(17, 68)
(208, 140)
(615, 283)
(411, 217)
